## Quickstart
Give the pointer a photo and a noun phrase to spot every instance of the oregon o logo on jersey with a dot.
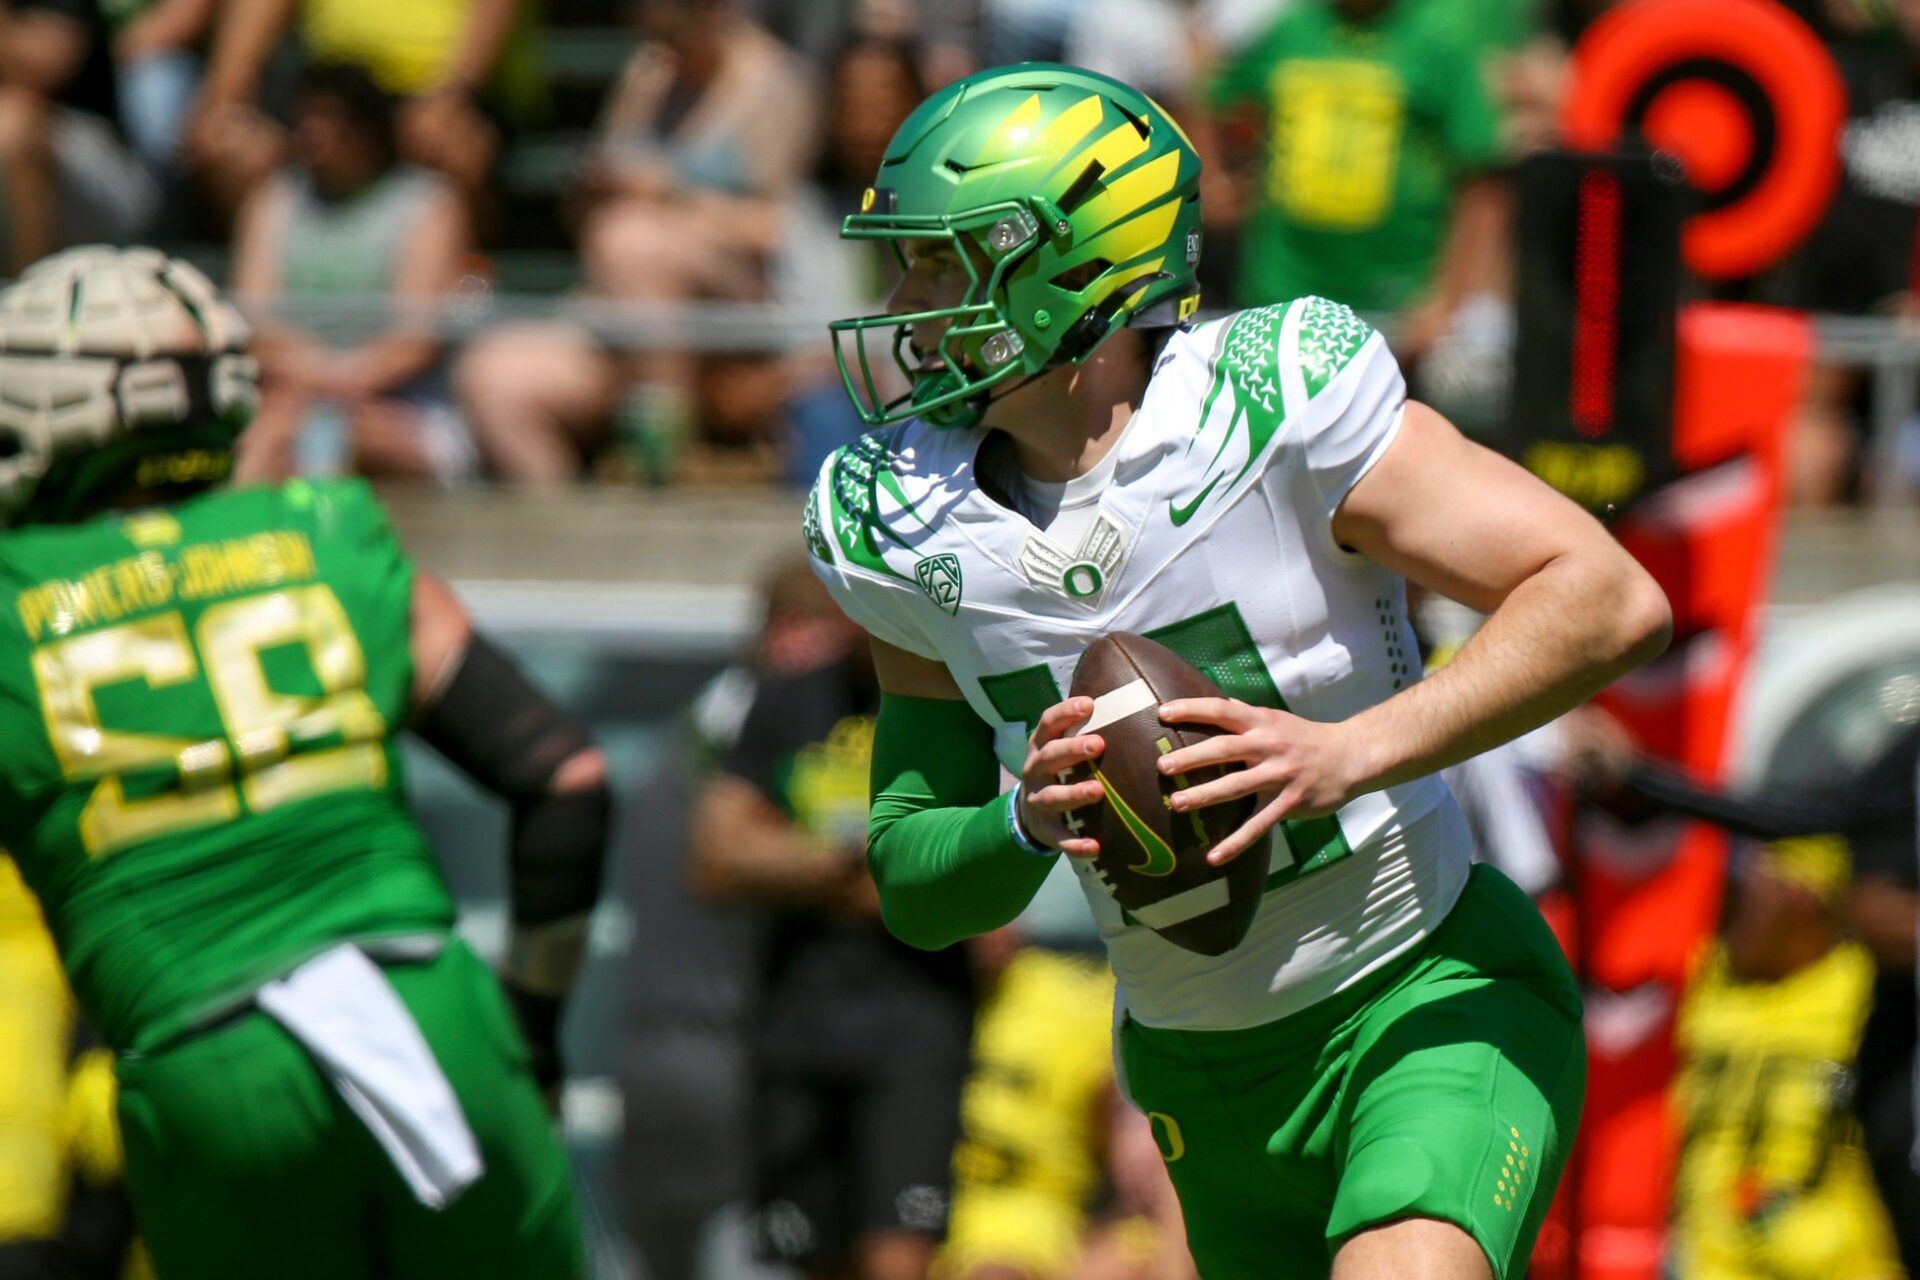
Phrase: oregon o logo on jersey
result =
(1081, 574)
(939, 577)
(1083, 579)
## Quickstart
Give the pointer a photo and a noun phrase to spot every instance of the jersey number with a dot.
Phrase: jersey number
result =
(1218, 643)
(281, 747)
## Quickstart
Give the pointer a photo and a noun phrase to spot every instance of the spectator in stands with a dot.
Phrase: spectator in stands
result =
(873, 85)
(156, 46)
(859, 1043)
(1378, 138)
(701, 149)
(64, 1211)
(1773, 1180)
(944, 33)
(36, 1024)
(694, 962)
(1164, 48)
(540, 397)
(1860, 260)
(462, 67)
(1035, 1110)
(694, 192)
(67, 175)
(1875, 811)
(352, 221)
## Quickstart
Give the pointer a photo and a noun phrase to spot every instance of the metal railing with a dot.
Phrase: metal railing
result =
(1887, 348)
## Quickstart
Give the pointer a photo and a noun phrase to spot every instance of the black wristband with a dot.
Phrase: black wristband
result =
(500, 730)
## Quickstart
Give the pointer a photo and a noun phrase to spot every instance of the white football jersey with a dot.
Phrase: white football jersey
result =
(1214, 538)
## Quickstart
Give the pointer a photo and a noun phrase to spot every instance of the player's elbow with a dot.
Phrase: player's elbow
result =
(914, 910)
(919, 929)
(908, 912)
(1641, 619)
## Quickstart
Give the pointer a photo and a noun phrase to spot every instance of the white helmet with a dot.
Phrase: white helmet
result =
(109, 357)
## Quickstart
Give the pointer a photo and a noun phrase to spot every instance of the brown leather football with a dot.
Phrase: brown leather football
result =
(1153, 860)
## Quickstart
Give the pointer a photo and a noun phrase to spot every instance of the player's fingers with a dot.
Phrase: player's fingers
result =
(1227, 713)
(1061, 719)
(1224, 748)
(1254, 828)
(1080, 847)
(1063, 754)
(1241, 782)
(1064, 796)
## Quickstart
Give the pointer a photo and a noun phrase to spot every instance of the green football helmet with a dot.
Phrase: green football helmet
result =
(1074, 204)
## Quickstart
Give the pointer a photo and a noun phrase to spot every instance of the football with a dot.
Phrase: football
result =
(1153, 860)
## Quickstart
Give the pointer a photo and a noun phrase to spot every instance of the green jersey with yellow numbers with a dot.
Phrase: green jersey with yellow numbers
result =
(202, 780)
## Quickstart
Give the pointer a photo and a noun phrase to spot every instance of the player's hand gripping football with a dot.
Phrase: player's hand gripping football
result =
(1299, 768)
(1047, 802)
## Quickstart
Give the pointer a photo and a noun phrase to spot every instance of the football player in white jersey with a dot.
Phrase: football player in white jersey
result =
(1384, 1078)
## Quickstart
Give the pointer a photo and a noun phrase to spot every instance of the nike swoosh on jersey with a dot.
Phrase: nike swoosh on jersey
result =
(1182, 514)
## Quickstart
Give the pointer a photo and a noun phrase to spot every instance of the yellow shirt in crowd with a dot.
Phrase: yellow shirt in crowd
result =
(406, 45)
(1773, 1180)
(36, 1025)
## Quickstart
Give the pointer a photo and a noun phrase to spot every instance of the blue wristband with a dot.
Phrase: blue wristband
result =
(1022, 841)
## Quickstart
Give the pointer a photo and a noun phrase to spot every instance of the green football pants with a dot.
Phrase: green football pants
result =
(1448, 1086)
(243, 1161)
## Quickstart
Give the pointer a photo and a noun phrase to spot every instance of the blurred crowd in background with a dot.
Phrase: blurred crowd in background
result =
(589, 241)
(540, 242)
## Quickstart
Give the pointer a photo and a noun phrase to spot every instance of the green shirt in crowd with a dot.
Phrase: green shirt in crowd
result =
(1368, 128)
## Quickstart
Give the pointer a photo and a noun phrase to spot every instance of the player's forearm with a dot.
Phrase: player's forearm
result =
(945, 875)
(242, 42)
(781, 873)
(745, 850)
(942, 855)
(1559, 637)
(489, 27)
(171, 24)
(1475, 240)
(493, 725)
(381, 365)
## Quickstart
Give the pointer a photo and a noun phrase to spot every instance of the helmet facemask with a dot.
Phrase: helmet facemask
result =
(980, 348)
(1073, 204)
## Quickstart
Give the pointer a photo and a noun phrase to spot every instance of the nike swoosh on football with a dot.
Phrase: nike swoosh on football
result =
(1182, 514)
(1159, 859)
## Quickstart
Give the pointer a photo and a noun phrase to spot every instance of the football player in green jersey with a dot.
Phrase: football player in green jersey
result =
(201, 692)
(1384, 1077)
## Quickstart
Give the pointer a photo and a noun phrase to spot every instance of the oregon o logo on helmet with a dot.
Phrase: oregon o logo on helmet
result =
(1070, 198)
(1083, 579)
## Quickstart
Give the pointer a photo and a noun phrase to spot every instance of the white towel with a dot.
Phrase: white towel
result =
(341, 1007)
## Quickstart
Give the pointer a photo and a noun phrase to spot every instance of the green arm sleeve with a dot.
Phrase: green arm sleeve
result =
(937, 841)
